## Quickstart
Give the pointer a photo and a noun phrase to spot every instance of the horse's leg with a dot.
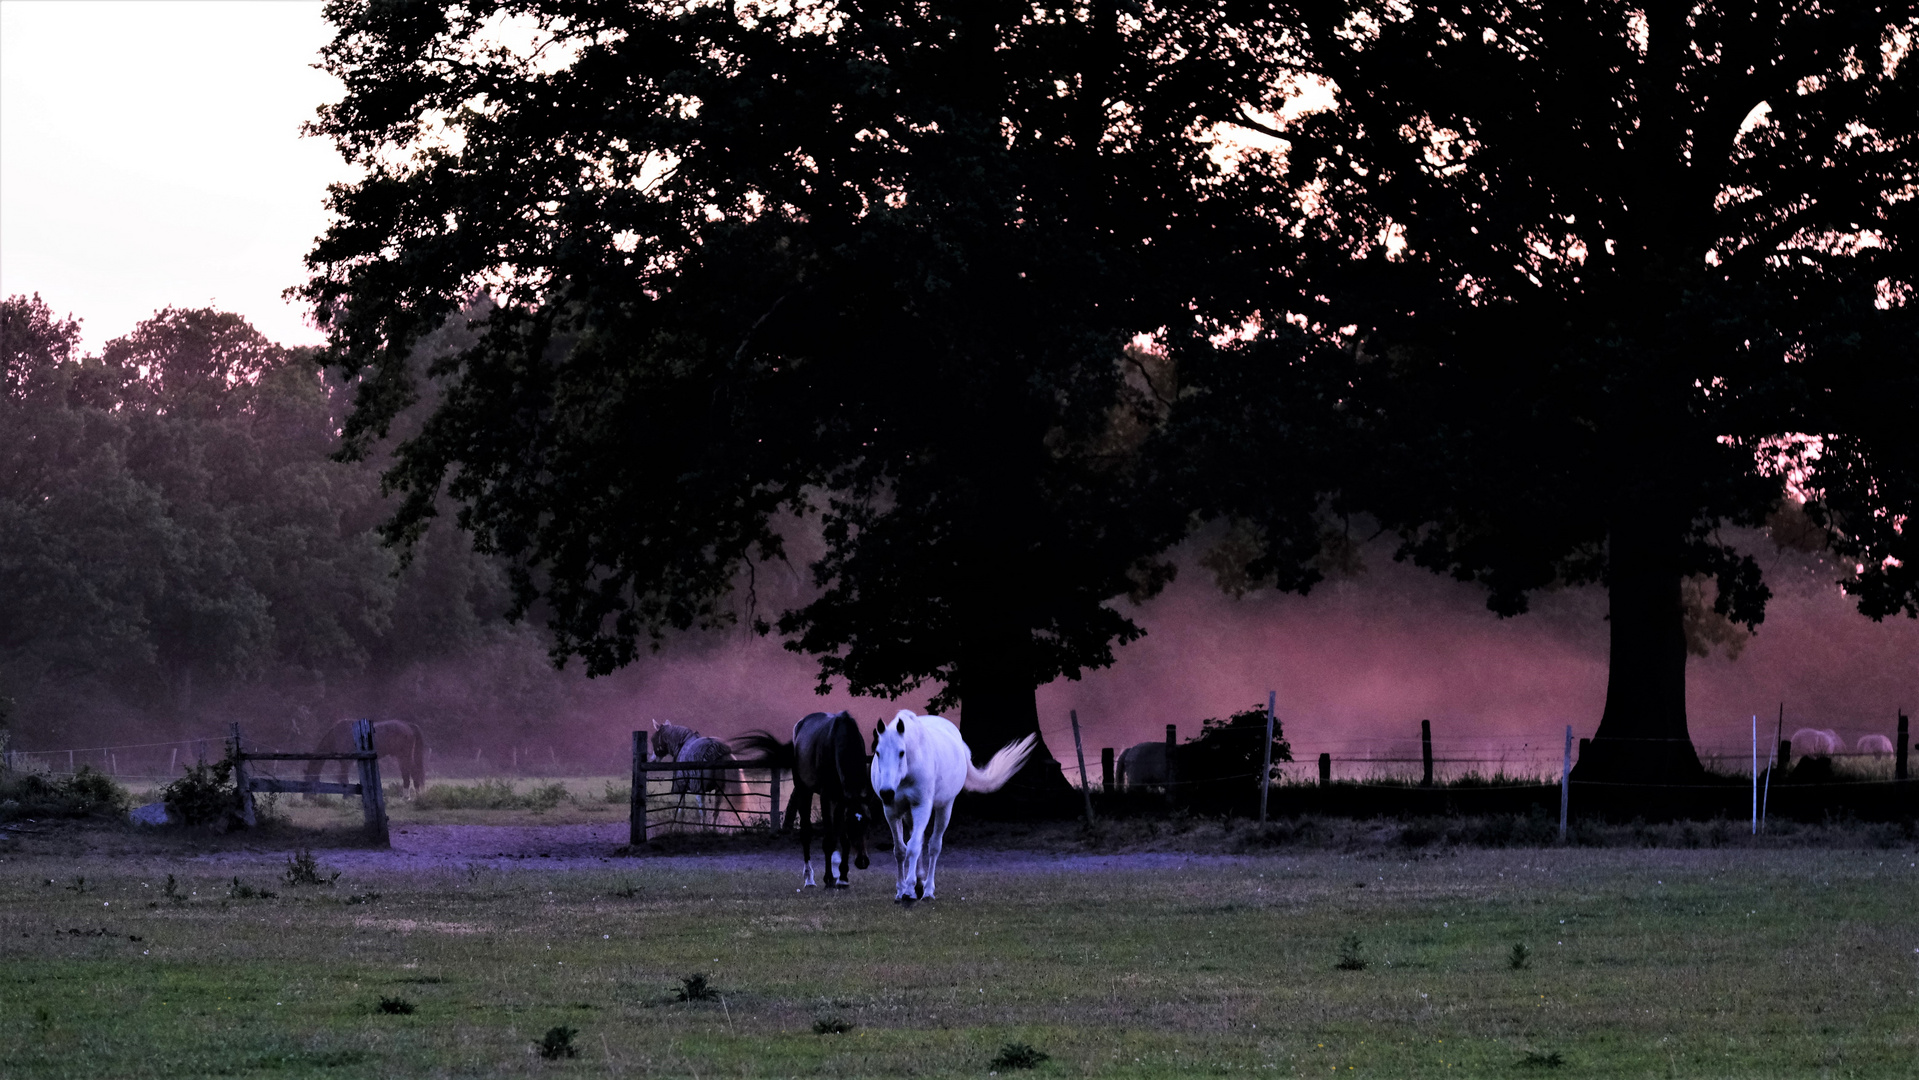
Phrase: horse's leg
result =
(900, 821)
(839, 871)
(908, 890)
(803, 800)
(935, 839)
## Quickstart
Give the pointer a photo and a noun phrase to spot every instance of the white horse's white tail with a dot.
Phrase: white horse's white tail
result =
(1001, 769)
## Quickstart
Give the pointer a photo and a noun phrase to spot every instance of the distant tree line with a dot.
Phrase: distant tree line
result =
(173, 528)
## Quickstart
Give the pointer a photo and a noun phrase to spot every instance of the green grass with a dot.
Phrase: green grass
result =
(1641, 963)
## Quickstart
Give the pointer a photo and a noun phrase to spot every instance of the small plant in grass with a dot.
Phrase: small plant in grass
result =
(694, 987)
(618, 796)
(1519, 957)
(1352, 956)
(1018, 1055)
(206, 795)
(832, 1025)
(304, 869)
(243, 891)
(1547, 1059)
(395, 1006)
(77, 885)
(627, 890)
(172, 891)
(558, 1043)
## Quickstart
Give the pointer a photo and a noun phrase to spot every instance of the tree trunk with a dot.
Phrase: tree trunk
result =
(997, 706)
(1642, 736)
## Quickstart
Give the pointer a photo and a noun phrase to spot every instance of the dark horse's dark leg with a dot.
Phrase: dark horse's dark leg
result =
(803, 799)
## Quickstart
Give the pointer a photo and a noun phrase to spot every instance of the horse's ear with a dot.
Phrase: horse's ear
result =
(899, 726)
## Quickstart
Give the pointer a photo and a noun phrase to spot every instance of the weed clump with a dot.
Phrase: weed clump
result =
(243, 891)
(694, 987)
(832, 1025)
(1549, 1059)
(172, 891)
(558, 1043)
(1351, 954)
(1519, 957)
(1018, 1055)
(395, 1006)
(304, 869)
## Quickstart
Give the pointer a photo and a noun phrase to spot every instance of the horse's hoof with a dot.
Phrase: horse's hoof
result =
(862, 862)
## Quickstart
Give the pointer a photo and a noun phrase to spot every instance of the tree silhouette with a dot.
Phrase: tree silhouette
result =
(868, 269)
(1585, 283)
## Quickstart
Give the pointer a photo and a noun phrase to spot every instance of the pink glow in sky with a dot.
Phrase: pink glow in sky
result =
(150, 155)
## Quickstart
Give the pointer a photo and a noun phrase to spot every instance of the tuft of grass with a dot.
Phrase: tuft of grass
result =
(694, 987)
(1351, 954)
(1019, 1055)
(617, 795)
(77, 885)
(1519, 957)
(304, 869)
(1548, 1059)
(241, 891)
(558, 1043)
(832, 1025)
(395, 1006)
(172, 891)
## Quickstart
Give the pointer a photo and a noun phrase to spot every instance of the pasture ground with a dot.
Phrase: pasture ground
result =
(1722, 962)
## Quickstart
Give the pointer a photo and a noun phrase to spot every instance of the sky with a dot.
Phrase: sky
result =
(151, 156)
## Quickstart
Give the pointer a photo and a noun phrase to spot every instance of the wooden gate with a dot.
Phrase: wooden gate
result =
(372, 797)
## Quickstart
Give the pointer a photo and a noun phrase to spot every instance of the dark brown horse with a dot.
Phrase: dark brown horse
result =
(394, 739)
(828, 758)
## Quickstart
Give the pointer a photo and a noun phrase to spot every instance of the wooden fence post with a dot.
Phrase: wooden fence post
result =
(1905, 744)
(1106, 770)
(1565, 782)
(240, 784)
(1266, 770)
(1172, 770)
(372, 797)
(636, 800)
(1426, 752)
(1325, 769)
(1079, 750)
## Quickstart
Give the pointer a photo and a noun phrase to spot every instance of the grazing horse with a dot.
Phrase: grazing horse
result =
(828, 758)
(1142, 765)
(392, 738)
(708, 776)
(1873, 744)
(1816, 742)
(920, 765)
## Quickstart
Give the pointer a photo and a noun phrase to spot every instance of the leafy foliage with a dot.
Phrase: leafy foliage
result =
(557, 1043)
(303, 869)
(86, 793)
(694, 987)
(1019, 1055)
(205, 795)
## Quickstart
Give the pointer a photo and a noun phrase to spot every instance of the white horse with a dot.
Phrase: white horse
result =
(920, 765)
(1873, 744)
(1816, 742)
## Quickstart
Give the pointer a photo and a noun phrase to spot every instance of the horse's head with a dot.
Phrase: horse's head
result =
(890, 764)
(667, 740)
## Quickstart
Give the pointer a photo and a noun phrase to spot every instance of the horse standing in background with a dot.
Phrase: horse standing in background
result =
(920, 765)
(1142, 765)
(396, 739)
(710, 769)
(828, 758)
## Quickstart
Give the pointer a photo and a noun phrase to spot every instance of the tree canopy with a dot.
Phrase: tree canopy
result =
(1583, 284)
(868, 273)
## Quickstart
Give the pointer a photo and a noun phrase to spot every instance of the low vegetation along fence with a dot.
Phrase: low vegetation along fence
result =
(363, 755)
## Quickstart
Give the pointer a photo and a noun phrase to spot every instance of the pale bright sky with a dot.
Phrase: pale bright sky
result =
(150, 155)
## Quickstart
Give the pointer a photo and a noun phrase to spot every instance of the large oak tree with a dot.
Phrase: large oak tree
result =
(1589, 282)
(870, 267)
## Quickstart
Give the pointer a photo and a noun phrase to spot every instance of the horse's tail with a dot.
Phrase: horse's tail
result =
(998, 771)
(765, 744)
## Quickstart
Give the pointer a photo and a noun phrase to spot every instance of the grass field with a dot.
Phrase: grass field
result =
(1731, 962)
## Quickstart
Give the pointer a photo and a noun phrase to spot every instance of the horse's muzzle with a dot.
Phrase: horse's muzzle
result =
(886, 796)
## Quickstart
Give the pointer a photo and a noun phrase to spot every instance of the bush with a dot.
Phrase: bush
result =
(558, 1043)
(206, 795)
(84, 794)
(1219, 768)
(1019, 1055)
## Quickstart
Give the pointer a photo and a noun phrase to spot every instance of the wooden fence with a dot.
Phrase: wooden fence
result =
(372, 797)
(749, 797)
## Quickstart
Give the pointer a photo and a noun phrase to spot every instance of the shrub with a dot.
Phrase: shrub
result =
(242, 891)
(1519, 957)
(831, 1025)
(206, 795)
(395, 1006)
(86, 793)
